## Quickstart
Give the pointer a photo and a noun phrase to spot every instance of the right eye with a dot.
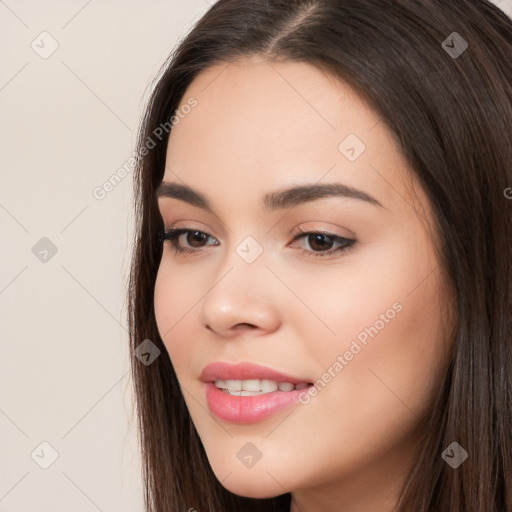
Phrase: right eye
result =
(192, 235)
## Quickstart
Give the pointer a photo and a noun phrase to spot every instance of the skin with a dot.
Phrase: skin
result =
(261, 127)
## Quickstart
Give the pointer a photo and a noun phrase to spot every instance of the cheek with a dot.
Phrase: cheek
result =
(173, 299)
(381, 309)
(389, 336)
(163, 302)
(400, 354)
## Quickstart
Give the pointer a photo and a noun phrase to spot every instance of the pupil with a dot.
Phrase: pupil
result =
(197, 236)
(320, 237)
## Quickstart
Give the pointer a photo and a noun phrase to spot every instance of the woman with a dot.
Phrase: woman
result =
(322, 264)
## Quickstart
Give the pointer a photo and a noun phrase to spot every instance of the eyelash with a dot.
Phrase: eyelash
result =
(173, 234)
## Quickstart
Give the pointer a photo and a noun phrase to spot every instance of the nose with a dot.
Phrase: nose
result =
(240, 299)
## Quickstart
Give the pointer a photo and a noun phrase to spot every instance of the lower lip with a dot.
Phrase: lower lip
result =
(248, 409)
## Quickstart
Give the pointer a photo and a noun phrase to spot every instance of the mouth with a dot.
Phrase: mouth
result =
(248, 393)
(254, 387)
(249, 379)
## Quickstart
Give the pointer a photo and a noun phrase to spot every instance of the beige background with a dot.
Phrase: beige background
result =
(67, 123)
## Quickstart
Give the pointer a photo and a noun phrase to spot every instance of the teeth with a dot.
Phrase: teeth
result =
(221, 383)
(269, 386)
(234, 385)
(253, 387)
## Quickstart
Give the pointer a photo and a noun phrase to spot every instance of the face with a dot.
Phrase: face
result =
(339, 291)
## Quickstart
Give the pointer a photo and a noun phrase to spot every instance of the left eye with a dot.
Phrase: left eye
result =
(316, 239)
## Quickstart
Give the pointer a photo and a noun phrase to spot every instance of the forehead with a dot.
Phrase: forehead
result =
(258, 122)
(251, 93)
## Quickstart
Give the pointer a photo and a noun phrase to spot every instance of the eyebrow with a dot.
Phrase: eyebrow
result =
(272, 201)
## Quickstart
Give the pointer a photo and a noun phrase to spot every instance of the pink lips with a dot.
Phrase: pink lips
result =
(246, 409)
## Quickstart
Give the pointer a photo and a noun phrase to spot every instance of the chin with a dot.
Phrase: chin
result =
(253, 485)
(254, 491)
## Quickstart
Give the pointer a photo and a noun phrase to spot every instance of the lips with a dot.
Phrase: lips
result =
(249, 406)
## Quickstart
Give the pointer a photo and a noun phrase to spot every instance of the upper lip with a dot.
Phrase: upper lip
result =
(245, 371)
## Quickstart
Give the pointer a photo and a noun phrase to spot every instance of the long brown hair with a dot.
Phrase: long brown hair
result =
(452, 116)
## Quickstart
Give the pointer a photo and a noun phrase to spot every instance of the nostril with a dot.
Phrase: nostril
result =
(244, 326)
